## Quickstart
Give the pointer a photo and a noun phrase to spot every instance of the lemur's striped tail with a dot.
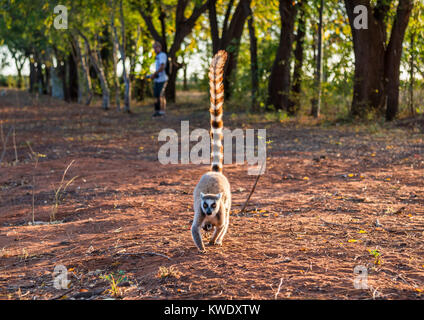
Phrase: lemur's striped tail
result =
(216, 85)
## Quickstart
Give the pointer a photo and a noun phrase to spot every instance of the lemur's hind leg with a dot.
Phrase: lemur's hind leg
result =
(221, 229)
(218, 231)
(225, 229)
(222, 234)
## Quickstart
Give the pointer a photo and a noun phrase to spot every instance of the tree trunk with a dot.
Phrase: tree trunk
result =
(134, 57)
(63, 67)
(368, 44)
(279, 81)
(48, 76)
(411, 75)
(294, 102)
(85, 70)
(373, 62)
(56, 83)
(127, 92)
(115, 77)
(230, 35)
(393, 57)
(183, 27)
(230, 41)
(19, 66)
(170, 90)
(316, 101)
(185, 86)
(96, 61)
(76, 61)
(253, 62)
(20, 82)
(115, 45)
(73, 78)
(98, 65)
(32, 76)
(216, 39)
(40, 78)
(162, 17)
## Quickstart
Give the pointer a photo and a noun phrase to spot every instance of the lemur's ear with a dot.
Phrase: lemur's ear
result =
(219, 196)
(202, 195)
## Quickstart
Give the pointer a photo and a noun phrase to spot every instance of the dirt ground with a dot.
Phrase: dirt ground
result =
(334, 198)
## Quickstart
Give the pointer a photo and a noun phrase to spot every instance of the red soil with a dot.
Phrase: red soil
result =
(310, 221)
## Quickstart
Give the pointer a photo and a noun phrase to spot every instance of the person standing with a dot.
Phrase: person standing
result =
(160, 79)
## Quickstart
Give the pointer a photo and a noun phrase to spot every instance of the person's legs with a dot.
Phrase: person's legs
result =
(159, 93)
(157, 105)
(156, 93)
(162, 98)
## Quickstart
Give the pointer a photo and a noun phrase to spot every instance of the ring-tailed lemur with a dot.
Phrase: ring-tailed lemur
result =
(212, 195)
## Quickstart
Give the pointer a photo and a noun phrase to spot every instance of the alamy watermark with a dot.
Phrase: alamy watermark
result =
(61, 20)
(174, 152)
(60, 277)
(361, 20)
(361, 280)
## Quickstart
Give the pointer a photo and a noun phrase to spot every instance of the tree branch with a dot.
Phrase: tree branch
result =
(185, 26)
(227, 17)
(214, 26)
(235, 29)
(148, 20)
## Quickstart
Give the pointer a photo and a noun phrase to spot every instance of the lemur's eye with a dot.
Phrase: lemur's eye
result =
(205, 205)
(214, 205)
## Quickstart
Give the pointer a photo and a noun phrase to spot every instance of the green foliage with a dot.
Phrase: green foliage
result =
(26, 28)
(3, 81)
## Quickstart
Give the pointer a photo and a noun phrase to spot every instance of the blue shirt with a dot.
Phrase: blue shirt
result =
(161, 58)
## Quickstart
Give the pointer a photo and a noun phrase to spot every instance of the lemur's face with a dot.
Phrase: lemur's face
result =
(210, 203)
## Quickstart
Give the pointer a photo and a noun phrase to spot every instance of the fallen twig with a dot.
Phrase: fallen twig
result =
(279, 288)
(88, 294)
(61, 294)
(253, 188)
(60, 191)
(157, 254)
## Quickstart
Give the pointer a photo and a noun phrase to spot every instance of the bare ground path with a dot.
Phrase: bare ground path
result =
(333, 198)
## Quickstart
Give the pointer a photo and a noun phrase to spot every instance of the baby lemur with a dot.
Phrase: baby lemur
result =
(212, 195)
